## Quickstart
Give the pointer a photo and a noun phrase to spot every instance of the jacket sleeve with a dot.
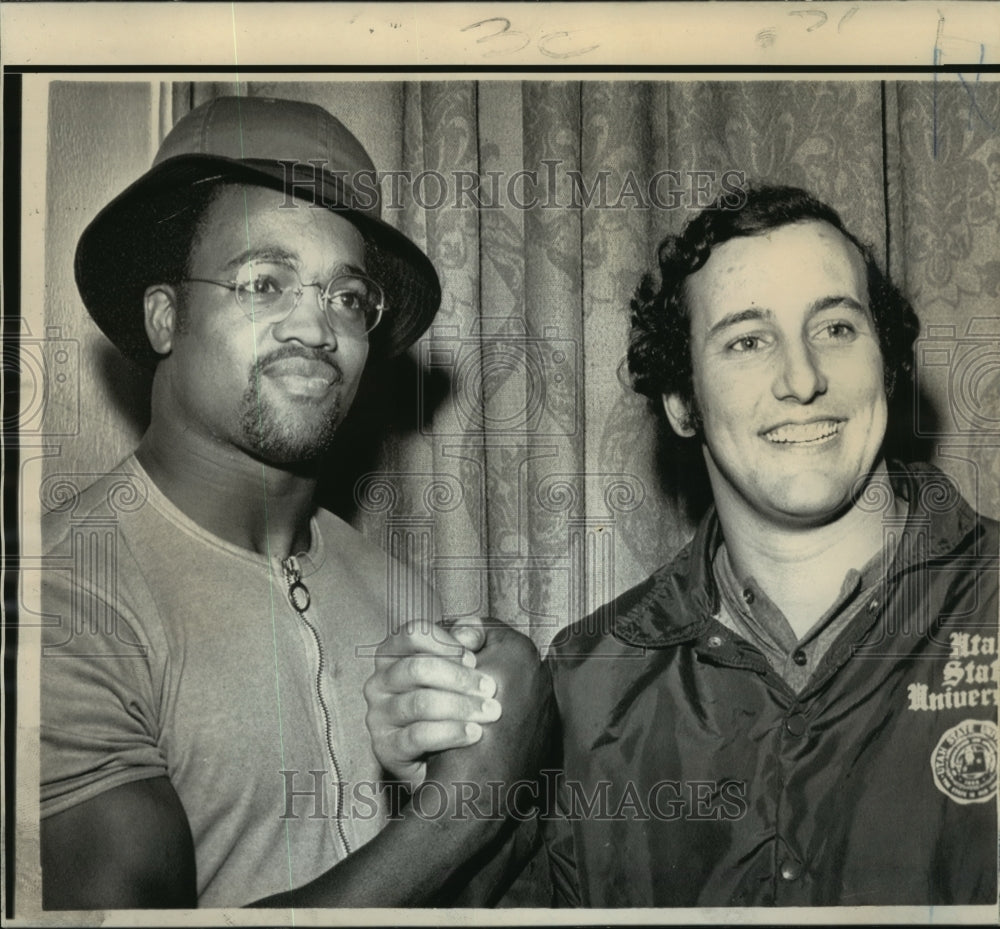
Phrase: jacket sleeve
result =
(560, 848)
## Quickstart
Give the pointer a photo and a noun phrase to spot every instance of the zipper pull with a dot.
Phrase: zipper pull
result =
(298, 593)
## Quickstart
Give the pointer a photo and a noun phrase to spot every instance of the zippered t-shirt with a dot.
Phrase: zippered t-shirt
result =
(170, 652)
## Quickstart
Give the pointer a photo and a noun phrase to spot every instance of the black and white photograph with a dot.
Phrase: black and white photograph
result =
(475, 491)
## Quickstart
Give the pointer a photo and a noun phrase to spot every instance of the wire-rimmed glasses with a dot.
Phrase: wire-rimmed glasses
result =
(269, 292)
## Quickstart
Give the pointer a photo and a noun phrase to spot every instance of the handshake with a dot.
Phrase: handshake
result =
(469, 704)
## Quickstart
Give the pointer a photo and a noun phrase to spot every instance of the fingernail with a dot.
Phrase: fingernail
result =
(491, 709)
(473, 732)
(487, 686)
(468, 659)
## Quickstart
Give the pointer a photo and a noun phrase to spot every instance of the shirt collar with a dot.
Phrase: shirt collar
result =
(682, 597)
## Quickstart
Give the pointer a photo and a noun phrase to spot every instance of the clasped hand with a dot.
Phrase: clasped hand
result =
(469, 703)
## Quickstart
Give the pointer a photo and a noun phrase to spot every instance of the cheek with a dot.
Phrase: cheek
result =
(353, 364)
(729, 395)
(865, 379)
(221, 361)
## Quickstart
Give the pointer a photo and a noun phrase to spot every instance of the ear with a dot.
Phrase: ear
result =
(160, 308)
(679, 415)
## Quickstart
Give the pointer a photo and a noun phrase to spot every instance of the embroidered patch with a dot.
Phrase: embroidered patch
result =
(965, 762)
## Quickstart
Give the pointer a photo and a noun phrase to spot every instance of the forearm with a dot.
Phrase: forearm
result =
(413, 861)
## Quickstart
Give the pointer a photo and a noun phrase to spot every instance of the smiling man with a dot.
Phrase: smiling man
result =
(788, 393)
(761, 681)
(801, 708)
(202, 719)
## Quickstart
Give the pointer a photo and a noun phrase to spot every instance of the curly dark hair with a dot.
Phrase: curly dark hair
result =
(659, 351)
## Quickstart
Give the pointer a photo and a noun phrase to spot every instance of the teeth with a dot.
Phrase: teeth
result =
(805, 432)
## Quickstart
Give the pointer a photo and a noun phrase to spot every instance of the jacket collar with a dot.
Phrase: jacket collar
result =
(682, 597)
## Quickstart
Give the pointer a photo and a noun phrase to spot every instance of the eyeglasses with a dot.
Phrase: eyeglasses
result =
(269, 292)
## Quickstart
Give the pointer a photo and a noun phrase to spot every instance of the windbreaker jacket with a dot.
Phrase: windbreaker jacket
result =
(695, 776)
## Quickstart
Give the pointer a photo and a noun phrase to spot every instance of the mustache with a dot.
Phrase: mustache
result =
(294, 351)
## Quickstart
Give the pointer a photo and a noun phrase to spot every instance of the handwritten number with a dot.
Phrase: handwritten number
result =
(483, 22)
(846, 17)
(505, 32)
(822, 21)
(822, 18)
(543, 46)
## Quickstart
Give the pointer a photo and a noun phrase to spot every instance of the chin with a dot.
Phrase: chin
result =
(282, 452)
(815, 501)
(288, 442)
(811, 517)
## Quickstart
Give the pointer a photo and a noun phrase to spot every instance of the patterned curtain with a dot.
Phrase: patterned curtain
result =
(505, 456)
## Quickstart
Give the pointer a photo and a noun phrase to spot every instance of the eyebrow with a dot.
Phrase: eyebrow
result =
(277, 253)
(740, 316)
(756, 313)
(352, 269)
(263, 253)
(825, 303)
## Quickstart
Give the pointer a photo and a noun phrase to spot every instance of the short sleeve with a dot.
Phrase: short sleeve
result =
(98, 724)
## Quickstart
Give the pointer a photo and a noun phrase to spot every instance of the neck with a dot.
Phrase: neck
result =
(256, 506)
(802, 568)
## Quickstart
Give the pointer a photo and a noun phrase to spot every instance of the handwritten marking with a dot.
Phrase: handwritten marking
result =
(943, 42)
(765, 38)
(506, 32)
(846, 17)
(552, 36)
(822, 18)
(769, 34)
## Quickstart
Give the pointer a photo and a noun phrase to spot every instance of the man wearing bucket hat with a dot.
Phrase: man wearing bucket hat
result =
(202, 717)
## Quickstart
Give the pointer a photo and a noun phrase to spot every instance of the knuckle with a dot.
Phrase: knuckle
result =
(418, 704)
(399, 741)
(406, 671)
(428, 736)
(453, 676)
(471, 706)
(410, 741)
(437, 672)
(426, 671)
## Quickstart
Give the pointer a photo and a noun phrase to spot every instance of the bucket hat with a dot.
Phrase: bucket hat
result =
(286, 145)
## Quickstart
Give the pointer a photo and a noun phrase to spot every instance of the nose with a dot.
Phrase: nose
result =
(799, 376)
(307, 322)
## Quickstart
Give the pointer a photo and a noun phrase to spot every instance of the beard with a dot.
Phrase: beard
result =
(301, 433)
